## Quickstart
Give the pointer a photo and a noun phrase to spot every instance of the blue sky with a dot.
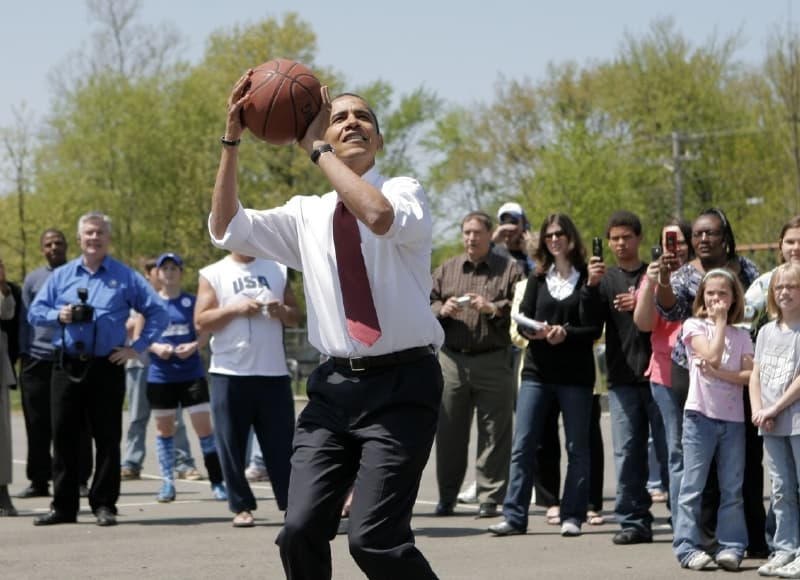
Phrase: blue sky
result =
(457, 49)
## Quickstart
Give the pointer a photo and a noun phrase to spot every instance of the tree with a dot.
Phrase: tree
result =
(485, 154)
(18, 146)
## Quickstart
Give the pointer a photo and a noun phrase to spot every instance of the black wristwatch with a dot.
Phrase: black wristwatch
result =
(315, 154)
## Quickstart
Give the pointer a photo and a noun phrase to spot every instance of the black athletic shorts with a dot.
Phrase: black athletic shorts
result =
(173, 395)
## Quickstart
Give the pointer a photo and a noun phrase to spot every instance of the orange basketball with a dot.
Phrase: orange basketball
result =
(284, 99)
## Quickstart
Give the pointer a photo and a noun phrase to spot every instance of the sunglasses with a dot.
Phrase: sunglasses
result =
(510, 220)
(555, 235)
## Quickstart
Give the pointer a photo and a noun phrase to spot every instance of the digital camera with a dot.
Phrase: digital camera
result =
(82, 312)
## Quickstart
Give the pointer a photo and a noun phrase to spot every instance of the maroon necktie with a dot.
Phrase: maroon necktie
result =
(359, 309)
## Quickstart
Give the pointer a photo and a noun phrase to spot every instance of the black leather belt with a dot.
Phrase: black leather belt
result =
(363, 363)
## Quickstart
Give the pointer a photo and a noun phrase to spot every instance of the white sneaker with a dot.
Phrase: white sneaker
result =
(728, 560)
(790, 570)
(698, 560)
(778, 560)
(570, 529)
(469, 495)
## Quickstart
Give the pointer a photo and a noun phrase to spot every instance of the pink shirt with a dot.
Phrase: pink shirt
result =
(662, 340)
(715, 398)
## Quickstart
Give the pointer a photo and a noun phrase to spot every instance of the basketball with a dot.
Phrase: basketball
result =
(284, 99)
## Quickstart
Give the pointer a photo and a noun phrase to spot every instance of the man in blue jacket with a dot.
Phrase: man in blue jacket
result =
(87, 301)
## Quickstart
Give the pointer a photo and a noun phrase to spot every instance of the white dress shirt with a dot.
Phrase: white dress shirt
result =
(299, 234)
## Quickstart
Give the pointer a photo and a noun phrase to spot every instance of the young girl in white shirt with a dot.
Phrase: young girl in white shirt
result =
(713, 422)
(775, 399)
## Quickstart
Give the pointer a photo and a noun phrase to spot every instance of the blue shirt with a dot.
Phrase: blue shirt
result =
(34, 341)
(180, 330)
(113, 290)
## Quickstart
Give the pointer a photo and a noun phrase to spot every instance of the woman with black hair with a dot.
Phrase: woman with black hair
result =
(675, 252)
(715, 247)
(558, 367)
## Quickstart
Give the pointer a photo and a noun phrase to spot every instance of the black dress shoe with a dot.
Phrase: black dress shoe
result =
(632, 536)
(105, 517)
(54, 517)
(34, 490)
(445, 508)
(506, 529)
(487, 510)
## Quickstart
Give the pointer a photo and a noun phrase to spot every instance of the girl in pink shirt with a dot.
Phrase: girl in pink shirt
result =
(721, 359)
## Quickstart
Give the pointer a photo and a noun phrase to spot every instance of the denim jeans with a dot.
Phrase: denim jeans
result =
(254, 451)
(630, 426)
(139, 416)
(534, 403)
(672, 416)
(705, 439)
(783, 462)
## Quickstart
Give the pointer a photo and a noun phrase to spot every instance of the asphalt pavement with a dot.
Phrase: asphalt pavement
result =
(193, 538)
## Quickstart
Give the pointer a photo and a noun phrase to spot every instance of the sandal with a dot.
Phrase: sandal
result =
(594, 518)
(553, 515)
(658, 496)
(243, 520)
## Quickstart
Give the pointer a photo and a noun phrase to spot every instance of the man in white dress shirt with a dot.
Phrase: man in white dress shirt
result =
(373, 406)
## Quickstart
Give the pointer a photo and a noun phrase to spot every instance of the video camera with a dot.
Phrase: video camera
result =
(82, 312)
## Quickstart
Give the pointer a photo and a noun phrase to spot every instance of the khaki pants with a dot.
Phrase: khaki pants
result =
(481, 384)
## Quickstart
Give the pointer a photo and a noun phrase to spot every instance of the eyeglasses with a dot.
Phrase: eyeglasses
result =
(555, 235)
(790, 287)
(708, 233)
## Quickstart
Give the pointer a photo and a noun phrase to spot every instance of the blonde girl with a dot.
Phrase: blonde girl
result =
(774, 394)
(721, 358)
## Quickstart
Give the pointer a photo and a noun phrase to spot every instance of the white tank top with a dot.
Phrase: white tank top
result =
(251, 345)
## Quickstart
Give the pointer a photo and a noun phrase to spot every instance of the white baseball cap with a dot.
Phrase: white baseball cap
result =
(512, 208)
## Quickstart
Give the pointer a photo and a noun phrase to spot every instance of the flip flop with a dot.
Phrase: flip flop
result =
(243, 520)
(593, 518)
(553, 515)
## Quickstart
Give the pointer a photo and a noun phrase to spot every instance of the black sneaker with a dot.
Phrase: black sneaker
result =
(632, 536)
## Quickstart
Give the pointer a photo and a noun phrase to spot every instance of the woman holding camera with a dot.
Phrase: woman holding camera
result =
(672, 252)
(715, 247)
(558, 367)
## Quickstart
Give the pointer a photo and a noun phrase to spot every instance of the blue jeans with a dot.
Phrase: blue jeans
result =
(630, 427)
(704, 440)
(783, 462)
(672, 416)
(139, 415)
(533, 405)
(254, 451)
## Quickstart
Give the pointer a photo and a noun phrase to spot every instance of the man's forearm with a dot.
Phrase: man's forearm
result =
(224, 200)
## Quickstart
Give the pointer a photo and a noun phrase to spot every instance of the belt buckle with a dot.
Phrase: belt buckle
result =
(83, 357)
(357, 363)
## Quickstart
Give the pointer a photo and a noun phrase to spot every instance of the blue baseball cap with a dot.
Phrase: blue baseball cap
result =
(169, 256)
